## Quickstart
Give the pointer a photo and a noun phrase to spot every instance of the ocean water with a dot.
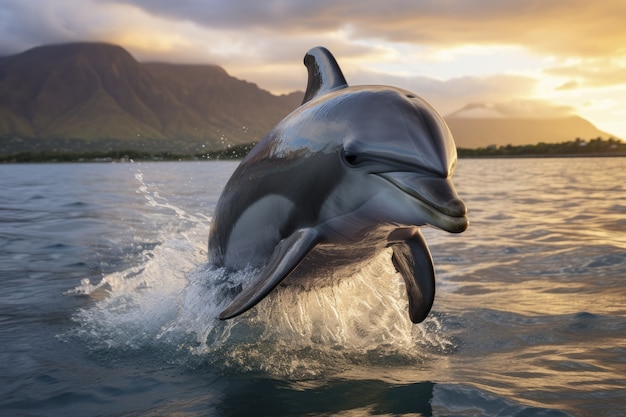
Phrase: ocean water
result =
(108, 306)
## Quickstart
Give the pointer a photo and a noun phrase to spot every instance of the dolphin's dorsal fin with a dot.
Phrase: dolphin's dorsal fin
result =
(324, 73)
(286, 257)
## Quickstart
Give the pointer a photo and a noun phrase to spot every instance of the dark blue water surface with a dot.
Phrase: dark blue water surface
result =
(107, 307)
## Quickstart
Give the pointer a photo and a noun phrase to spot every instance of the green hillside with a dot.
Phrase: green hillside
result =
(93, 96)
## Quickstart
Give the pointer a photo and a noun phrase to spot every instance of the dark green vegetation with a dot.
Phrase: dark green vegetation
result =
(232, 152)
(578, 147)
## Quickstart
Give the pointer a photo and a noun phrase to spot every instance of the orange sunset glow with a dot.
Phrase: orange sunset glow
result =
(532, 58)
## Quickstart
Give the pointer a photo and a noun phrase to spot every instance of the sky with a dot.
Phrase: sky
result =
(516, 58)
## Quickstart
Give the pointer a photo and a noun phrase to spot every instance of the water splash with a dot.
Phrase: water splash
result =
(361, 319)
(171, 298)
(128, 308)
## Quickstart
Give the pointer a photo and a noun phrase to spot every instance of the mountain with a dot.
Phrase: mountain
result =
(481, 132)
(96, 96)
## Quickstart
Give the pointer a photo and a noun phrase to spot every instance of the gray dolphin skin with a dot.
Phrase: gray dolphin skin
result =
(352, 171)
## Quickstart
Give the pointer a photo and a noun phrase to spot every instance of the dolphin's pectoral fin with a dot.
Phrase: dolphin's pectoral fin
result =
(413, 261)
(286, 256)
(324, 73)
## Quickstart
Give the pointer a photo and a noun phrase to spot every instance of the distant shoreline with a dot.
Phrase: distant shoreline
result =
(577, 148)
(537, 156)
(595, 148)
(189, 158)
(126, 155)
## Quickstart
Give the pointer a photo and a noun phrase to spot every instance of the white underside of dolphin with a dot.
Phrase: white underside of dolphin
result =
(352, 171)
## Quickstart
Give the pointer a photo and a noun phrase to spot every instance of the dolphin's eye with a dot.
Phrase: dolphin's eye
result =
(350, 158)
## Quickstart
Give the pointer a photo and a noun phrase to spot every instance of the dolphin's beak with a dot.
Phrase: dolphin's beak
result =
(437, 195)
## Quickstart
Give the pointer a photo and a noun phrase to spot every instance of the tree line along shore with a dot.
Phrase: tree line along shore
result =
(577, 147)
(597, 147)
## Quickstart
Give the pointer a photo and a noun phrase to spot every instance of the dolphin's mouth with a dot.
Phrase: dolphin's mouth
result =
(436, 194)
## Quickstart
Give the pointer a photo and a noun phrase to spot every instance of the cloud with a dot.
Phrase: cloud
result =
(560, 27)
(569, 85)
(30, 23)
(450, 95)
(276, 31)
(514, 109)
(592, 72)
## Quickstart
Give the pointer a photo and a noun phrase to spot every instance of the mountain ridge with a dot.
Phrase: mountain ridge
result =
(483, 132)
(88, 96)
(94, 93)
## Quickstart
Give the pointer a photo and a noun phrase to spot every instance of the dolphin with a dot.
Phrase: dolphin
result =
(352, 171)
